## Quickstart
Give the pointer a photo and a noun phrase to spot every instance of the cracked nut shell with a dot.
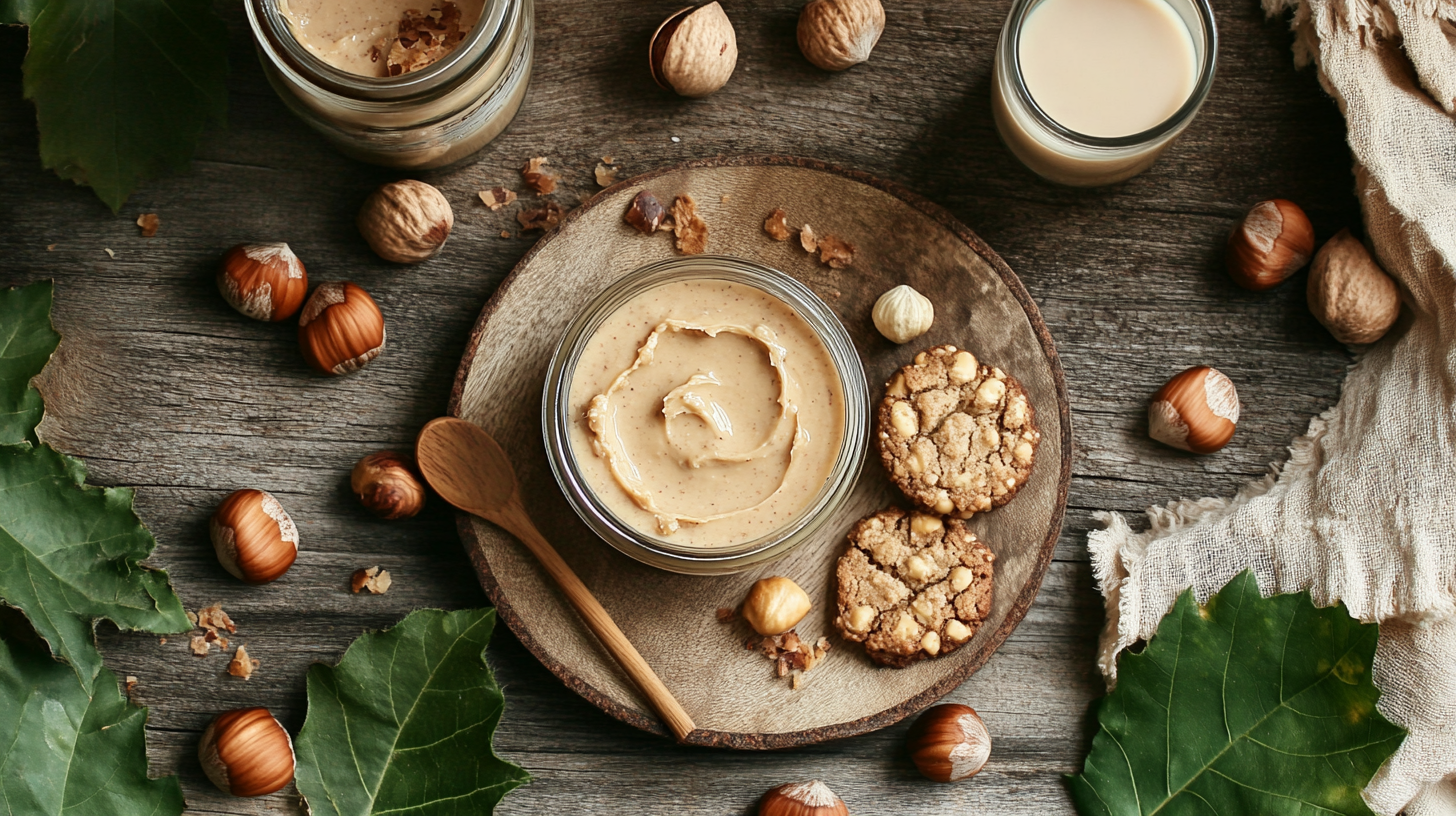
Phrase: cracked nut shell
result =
(839, 34)
(340, 329)
(255, 538)
(1195, 411)
(1274, 241)
(406, 221)
(1349, 293)
(263, 281)
(246, 752)
(385, 482)
(949, 743)
(694, 51)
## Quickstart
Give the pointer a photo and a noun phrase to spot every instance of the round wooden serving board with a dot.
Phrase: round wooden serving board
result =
(733, 694)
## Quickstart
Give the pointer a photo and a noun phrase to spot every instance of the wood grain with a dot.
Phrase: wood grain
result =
(159, 384)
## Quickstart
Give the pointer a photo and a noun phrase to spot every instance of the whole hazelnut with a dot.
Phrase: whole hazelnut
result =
(340, 329)
(406, 221)
(1195, 411)
(1274, 241)
(694, 51)
(1349, 293)
(254, 536)
(775, 605)
(949, 743)
(813, 798)
(903, 314)
(386, 483)
(246, 752)
(263, 281)
(838, 34)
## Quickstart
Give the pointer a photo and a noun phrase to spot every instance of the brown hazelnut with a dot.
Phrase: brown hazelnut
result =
(263, 281)
(254, 536)
(386, 483)
(246, 752)
(813, 798)
(340, 329)
(1349, 293)
(1274, 241)
(838, 34)
(949, 743)
(694, 51)
(1195, 411)
(406, 221)
(775, 605)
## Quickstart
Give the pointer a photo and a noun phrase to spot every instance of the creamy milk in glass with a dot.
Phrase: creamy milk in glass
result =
(1090, 91)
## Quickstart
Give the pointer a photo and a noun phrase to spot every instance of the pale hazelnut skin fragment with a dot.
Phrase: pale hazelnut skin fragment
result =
(812, 798)
(246, 752)
(1195, 411)
(1273, 241)
(1350, 294)
(694, 52)
(340, 329)
(386, 483)
(263, 281)
(775, 605)
(903, 314)
(406, 221)
(255, 538)
(949, 743)
(839, 34)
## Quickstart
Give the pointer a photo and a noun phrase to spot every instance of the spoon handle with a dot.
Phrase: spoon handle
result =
(514, 519)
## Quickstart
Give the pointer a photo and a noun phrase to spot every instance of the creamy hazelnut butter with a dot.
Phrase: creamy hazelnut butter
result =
(706, 412)
(352, 34)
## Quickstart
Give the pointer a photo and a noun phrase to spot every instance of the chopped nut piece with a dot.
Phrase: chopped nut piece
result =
(608, 160)
(727, 614)
(646, 213)
(162, 641)
(724, 199)
(131, 683)
(496, 197)
(540, 218)
(689, 229)
(212, 617)
(51, 247)
(191, 617)
(607, 174)
(242, 665)
(797, 681)
(777, 225)
(807, 239)
(783, 664)
(542, 181)
(110, 254)
(201, 645)
(422, 38)
(149, 223)
(835, 252)
(505, 233)
(374, 579)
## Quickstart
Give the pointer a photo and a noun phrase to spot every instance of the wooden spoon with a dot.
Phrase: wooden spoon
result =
(467, 467)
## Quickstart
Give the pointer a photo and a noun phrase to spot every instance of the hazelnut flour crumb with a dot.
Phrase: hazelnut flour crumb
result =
(606, 173)
(374, 579)
(148, 223)
(210, 619)
(689, 229)
(496, 197)
(242, 665)
(537, 178)
(422, 39)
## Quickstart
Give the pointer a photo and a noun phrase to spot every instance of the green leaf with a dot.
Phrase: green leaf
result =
(1243, 706)
(122, 88)
(404, 723)
(19, 12)
(73, 748)
(26, 343)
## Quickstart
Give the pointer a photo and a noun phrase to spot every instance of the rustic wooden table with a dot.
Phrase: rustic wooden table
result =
(159, 384)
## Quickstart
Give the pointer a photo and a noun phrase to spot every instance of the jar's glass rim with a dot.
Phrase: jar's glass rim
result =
(826, 326)
(270, 28)
(1011, 53)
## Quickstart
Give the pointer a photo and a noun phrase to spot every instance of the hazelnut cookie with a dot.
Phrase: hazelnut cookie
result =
(958, 437)
(912, 586)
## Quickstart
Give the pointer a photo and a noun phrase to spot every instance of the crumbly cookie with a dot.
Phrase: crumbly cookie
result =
(957, 436)
(912, 586)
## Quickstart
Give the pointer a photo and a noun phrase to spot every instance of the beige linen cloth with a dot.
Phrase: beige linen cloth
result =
(1364, 511)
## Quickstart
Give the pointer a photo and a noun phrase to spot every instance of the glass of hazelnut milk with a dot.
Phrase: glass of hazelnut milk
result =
(1090, 92)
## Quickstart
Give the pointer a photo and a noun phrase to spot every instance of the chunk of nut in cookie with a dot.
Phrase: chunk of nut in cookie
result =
(918, 568)
(960, 578)
(903, 420)
(957, 631)
(923, 524)
(931, 643)
(861, 619)
(963, 368)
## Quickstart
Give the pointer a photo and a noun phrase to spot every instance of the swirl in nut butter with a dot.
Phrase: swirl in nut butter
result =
(712, 413)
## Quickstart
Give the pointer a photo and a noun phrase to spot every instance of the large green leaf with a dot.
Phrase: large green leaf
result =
(122, 88)
(19, 12)
(26, 343)
(73, 748)
(1243, 706)
(404, 723)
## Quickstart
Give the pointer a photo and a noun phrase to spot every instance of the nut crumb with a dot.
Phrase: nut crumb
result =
(111, 254)
(242, 665)
(835, 252)
(191, 616)
(777, 225)
(540, 218)
(727, 614)
(162, 641)
(201, 645)
(131, 683)
(505, 233)
(607, 174)
(421, 38)
(374, 579)
(538, 179)
(724, 199)
(645, 213)
(689, 229)
(789, 653)
(213, 618)
(608, 160)
(496, 197)
(51, 247)
(797, 681)
(149, 223)
(808, 240)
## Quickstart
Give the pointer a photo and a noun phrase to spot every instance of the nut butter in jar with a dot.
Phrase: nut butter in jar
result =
(706, 414)
(362, 73)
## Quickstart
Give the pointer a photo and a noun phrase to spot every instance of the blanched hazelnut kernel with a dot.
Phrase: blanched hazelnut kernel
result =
(957, 631)
(925, 524)
(906, 628)
(903, 419)
(918, 568)
(861, 618)
(960, 578)
(989, 394)
(930, 643)
(963, 367)
(775, 605)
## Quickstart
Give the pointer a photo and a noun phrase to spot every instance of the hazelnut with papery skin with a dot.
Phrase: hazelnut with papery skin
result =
(838, 34)
(949, 743)
(254, 536)
(246, 752)
(386, 483)
(1195, 411)
(694, 52)
(812, 798)
(263, 281)
(340, 329)
(1350, 294)
(406, 221)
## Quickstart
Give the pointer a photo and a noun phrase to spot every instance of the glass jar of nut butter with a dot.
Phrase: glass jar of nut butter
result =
(401, 83)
